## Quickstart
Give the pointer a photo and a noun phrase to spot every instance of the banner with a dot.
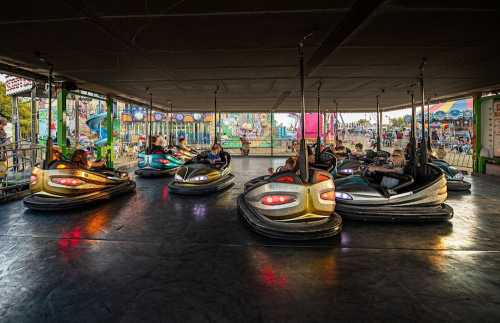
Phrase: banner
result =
(16, 85)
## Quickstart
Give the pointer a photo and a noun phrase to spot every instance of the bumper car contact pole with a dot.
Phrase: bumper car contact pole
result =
(304, 171)
(413, 141)
(48, 146)
(423, 146)
(378, 123)
(216, 139)
(429, 139)
(318, 139)
(336, 121)
(170, 124)
(150, 126)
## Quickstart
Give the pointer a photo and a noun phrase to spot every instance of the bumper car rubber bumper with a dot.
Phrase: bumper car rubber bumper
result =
(455, 185)
(153, 172)
(201, 189)
(289, 231)
(46, 203)
(379, 213)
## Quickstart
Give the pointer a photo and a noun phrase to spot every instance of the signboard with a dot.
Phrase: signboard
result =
(16, 85)
(496, 128)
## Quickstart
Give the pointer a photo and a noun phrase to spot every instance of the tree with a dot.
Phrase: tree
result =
(5, 103)
(363, 123)
(24, 106)
(398, 122)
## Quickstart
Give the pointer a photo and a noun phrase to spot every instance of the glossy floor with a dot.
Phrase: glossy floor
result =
(152, 257)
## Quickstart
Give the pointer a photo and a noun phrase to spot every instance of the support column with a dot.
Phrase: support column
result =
(479, 164)
(34, 119)
(379, 121)
(61, 120)
(77, 122)
(15, 124)
(34, 125)
(109, 129)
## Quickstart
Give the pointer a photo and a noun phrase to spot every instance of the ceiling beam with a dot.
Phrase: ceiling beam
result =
(359, 14)
(173, 15)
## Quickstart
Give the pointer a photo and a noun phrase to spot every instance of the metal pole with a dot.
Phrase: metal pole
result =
(170, 125)
(378, 122)
(215, 114)
(413, 141)
(220, 129)
(15, 123)
(34, 123)
(48, 146)
(423, 145)
(109, 132)
(429, 139)
(325, 130)
(61, 119)
(272, 141)
(303, 160)
(336, 128)
(77, 122)
(318, 138)
(34, 119)
(150, 144)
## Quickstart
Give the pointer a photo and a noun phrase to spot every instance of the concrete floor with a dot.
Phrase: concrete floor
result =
(152, 257)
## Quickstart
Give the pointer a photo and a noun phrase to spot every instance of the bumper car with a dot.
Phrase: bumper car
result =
(282, 206)
(354, 166)
(184, 155)
(200, 177)
(348, 167)
(454, 177)
(63, 187)
(157, 164)
(412, 200)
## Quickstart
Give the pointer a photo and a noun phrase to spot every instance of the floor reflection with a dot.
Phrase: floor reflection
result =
(69, 240)
(281, 270)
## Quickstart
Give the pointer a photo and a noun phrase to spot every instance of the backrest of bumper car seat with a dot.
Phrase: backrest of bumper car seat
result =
(275, 177)
(404, 182)
(327, 161)
(383, 154)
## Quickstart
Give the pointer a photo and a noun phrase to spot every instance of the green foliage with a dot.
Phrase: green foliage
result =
(24, 106)
(398, 122)
(5, 103)
(363, 123)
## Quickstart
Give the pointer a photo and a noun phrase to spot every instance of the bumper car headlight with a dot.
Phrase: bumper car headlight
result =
(178, 178)
(342, 196)
(347, 171)
(200, 178)
(458, 176)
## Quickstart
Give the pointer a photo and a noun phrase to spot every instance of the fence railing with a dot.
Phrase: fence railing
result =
(127, 152)
(21, 158)
(15, 168)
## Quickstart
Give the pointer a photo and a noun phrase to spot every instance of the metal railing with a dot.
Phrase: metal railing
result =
(15, 168)
(125, 152)
(21, 158)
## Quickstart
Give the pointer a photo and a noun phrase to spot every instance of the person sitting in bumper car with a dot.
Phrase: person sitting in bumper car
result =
(395, 165)
(157, 145)
(358, 151)
(80, 160)
(291, 165)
